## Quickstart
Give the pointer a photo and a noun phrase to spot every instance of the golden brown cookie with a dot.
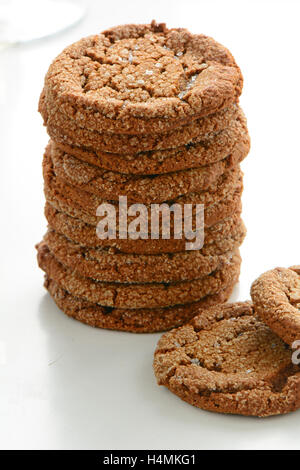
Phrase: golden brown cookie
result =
(134, 73)
(276, 298)
(144, 295)
(147, 189)
(136, 321)
(214, 148)
(227, 360)
(212, 214)
(213, 123)
(82, 204)
(85, 235)
(105, 265)
(74, 196)
(66, 131)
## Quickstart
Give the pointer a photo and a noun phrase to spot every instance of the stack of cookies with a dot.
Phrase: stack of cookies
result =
(151, 115)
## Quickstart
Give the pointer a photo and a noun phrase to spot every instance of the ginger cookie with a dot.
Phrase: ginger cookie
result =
(142, 73)
(227, 182)
(83, 205)
(213, 123)
(228, 361)
(144, 295)
(138, 189)
(192, 155)
(71, 134)
(107, 266)
(135, 321)
(84, 234)
(212, 214)
(48, 109)
(276, 299)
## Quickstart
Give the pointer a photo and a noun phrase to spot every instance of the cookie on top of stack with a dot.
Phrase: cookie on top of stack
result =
(152, 114)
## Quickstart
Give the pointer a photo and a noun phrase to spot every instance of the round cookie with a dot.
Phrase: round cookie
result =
(68, 132)
(212, 123)
(107, 266)
(214, 148)
(212, 214)
(85, 234)
(74, 196)
(131, 320)
(138, 189)
(276, 298)
(138, 127)
(146, 295)
(142, 73)
(227, 360)
(82, 205)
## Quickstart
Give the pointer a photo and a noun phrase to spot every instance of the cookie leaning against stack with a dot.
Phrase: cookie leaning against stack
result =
(152, 114)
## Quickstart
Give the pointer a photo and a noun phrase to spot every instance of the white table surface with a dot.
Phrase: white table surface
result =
(64, 385)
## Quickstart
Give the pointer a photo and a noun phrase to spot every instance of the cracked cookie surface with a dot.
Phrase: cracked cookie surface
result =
(85, 235)
(142, 72)
(227, 360)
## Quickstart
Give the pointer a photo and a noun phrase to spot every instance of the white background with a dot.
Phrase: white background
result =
(66, 385)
